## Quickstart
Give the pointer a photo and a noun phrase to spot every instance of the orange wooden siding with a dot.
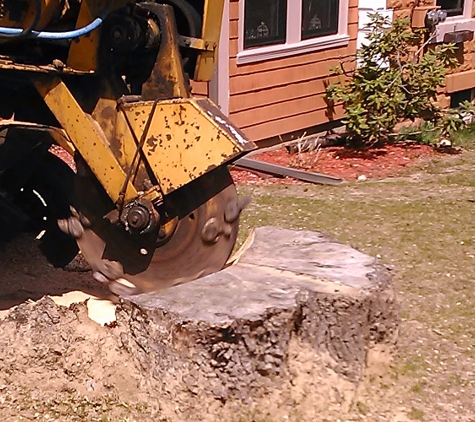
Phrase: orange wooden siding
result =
(280, 96)
(199, 89)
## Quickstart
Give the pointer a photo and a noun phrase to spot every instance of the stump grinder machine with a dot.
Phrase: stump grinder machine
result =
(151, 202)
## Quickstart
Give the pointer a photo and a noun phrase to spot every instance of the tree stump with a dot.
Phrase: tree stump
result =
(288, 331)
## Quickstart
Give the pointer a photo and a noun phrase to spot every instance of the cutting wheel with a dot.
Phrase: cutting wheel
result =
(199, 225)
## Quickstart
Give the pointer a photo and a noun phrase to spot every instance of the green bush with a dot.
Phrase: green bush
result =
(397, 79)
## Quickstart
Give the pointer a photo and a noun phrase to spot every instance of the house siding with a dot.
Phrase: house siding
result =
(199, 89)
(279, 96)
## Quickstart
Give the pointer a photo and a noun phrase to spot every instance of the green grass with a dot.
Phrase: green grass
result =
(416, 414)
(425, 134)
(422, 227)
(466, 137)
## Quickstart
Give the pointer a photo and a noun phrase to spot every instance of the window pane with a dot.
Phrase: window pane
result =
(453, 7)
(459, 97)
(319, 17)
(265, 22)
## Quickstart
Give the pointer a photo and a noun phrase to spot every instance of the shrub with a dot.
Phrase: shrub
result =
(397, 78)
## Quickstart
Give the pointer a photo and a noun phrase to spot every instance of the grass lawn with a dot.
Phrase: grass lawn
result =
(421, 225)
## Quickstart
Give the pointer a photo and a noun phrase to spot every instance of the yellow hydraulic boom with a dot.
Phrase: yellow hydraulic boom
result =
(152, 201)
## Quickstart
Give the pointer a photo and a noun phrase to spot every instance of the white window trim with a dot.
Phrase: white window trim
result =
(456, 23)
(219, 85)
(294, 45)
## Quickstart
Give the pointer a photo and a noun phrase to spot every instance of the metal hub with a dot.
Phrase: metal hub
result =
(140, 217)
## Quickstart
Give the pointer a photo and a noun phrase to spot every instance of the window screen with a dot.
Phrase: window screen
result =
(265, 22)
(458, 97)
(453, 7)
(319, 17)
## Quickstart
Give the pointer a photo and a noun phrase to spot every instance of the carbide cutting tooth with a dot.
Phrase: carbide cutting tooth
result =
(63, 226)
(234, 208)
(122, 287)
(211, 230)
(74, 213)
(101, 278)
(227, 229)
(232, 211)
(75, 228)
(111, 269)
(84, 220)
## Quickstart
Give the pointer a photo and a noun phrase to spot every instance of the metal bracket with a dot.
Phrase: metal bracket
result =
(197, 43)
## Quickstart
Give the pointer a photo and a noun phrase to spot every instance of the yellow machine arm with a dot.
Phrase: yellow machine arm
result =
(153, 201)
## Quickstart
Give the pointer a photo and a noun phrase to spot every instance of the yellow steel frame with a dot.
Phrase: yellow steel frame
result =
(211, 31)
(83, 52)
(182, 139)
(186, 139)
(86, 135)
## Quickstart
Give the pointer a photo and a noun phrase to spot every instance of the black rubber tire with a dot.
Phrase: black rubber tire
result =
(187, 18)
(52, 183)
(189, 23)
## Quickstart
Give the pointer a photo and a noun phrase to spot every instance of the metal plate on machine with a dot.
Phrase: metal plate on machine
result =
(186, 138)
(57, 67)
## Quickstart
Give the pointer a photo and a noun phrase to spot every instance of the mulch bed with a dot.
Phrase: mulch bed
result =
(345, 163)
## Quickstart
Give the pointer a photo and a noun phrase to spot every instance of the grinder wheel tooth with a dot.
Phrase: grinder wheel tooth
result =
(200, 244)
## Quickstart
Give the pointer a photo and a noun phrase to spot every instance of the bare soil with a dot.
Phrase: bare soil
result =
(26, 275)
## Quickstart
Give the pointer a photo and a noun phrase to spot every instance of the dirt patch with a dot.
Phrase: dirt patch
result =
(347, 164)
(57, 364)
(27, 275)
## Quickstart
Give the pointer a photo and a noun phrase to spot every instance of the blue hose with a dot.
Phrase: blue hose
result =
(68, 35)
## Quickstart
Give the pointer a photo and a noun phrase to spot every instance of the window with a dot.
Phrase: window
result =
(270, 29)
(458, 97)
(459, 18)
(265, 22)
(453, 7)
(319, 17)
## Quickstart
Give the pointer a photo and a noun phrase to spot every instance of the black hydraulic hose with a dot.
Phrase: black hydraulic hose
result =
(31, 27)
